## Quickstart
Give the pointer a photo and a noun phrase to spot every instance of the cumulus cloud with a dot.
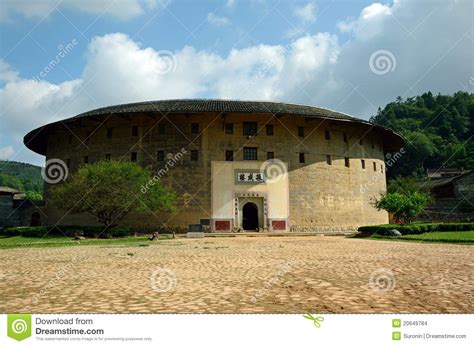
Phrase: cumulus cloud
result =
(306, 12)
(121, 9)
(6, 152)
(431, 49)
(217, 20)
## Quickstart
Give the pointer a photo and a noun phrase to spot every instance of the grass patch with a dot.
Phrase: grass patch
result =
(465, 237)
(60, 241)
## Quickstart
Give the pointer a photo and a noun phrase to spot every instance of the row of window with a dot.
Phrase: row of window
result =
(249, 129)
(249, 154)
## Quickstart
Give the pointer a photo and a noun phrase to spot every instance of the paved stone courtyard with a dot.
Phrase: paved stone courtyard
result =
(246, 275)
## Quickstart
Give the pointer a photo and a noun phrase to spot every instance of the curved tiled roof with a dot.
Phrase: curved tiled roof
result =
(36, 142)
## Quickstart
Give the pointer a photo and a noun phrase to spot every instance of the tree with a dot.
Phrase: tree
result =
(33, 196)
(109, 190)
(403, 206)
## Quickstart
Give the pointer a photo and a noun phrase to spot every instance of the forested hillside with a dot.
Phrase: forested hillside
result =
(439, 131)
(21, 176)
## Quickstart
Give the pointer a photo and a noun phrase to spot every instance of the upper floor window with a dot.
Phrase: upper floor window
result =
(361, 141)
(229, 129)
(362, 163)
(270, 155)
(134, 131)
(302, 158)
(161, 129)
(229, 155)
(194, 155)
(160, 155)
(347, 162)
(194, 128)
(107, 157)
(110, 132)
(133, 156)
(327, 135)
(250, 153)
(86, 159)
(250, 128)
(328, 159)
(300, 131)
(375, 167)
(269, 128)
(344, 136)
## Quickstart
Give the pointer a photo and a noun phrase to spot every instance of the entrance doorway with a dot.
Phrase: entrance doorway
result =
(250, 217)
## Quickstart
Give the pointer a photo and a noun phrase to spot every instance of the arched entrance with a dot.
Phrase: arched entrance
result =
(35, 219)
(250, 217)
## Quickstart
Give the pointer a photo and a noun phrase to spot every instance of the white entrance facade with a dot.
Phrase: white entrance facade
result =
(249, 196)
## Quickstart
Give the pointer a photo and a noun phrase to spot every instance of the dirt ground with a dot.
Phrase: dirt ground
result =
(241, 275)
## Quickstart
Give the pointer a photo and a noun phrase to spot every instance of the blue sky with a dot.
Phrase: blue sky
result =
(329, 53)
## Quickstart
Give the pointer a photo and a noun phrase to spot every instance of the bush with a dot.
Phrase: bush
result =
(70, 231)
(417, 228)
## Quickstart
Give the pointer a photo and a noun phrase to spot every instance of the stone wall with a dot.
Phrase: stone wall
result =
(322, 197)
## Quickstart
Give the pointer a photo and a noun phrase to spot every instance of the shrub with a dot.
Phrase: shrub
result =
(417, 228)
(86, 231)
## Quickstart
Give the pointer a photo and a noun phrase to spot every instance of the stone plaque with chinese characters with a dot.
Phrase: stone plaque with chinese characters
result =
(249, 177)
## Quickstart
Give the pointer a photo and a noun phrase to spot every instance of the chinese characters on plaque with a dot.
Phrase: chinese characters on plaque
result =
(250, 177)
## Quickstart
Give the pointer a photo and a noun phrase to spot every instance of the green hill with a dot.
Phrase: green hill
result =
(21, 176)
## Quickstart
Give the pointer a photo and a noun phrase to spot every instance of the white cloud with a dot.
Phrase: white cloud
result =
(230, 3)
(121, 9)
(217, 20)
(306, 12)
(6, 152)
(432, 48)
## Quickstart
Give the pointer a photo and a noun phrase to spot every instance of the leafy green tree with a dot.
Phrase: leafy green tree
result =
(109, 190)
(34, 196)
(403, 206)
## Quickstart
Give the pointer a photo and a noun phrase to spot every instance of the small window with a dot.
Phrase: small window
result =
(269, 129)
(347, 162)
(328, 160)
(250, 128)
(107, 157)
(250, 153)
(229, 129)
(160, 155)
(134, 131)
(362, 163)
(229, 155)
(161, 129)
(300, 131)
(194, 128)
(133, 156)
(110, 132)
(344, 136)
(270, 155)
(68, 163)
(86, 159)
(327, 135)
(381, 168)
(302, 158)
(375, 167)
(361, 141)
(373, 145)
(194, 155)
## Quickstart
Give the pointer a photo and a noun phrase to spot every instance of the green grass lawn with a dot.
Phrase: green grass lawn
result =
(57, 241)
(446, 237)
